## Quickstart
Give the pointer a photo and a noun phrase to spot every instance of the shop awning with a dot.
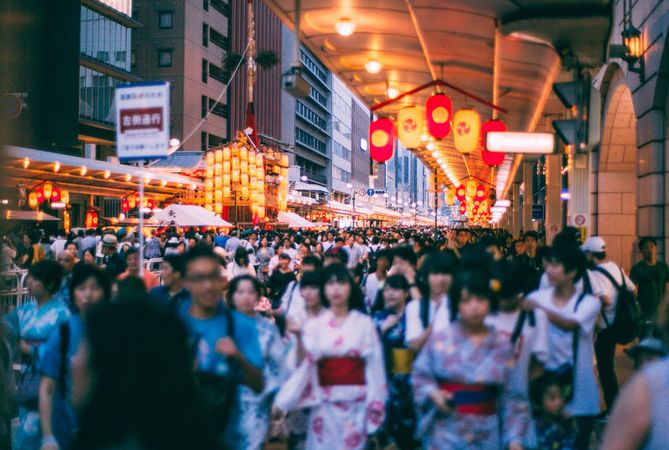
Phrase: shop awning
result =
(89, 176)
(308, 187)
(294, 220)
(189, 216)
(39, 216)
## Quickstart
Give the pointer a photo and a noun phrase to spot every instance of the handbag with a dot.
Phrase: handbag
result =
(27, 386)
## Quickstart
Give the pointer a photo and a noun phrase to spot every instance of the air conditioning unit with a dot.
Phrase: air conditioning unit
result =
(294, 84)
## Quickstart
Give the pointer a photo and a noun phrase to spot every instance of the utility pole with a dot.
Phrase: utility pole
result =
(436, 201)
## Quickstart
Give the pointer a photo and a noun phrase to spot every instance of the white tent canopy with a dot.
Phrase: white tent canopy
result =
(189, 216)
(294, 220)
(11, 214)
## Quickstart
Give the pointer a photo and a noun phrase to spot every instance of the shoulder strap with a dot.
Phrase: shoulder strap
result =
(64, 331)
(518, 329)
(424, 311)
(576, 333)
(608, 276)
(290, 295)
(363, 283)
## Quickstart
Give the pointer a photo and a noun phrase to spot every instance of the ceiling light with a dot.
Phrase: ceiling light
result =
(435, 154)
(392, 92)
(83, 171)
(128, 177)
(106, 174)
(424, 137)
(373, 66)
(430, 146)
(345, 26)
(56, 167)
(527, 143)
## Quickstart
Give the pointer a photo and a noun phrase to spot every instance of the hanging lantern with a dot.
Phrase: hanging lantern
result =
(40, 194)
(150, 203)
(466, 130)
(450, 197)
(382, 140)
(64, 196)
(131, 202)
(438, 112)
(91, 218)
(55, 194)
(32, 200)
(125, 205)
(461, 192)
(470, 188)
(410, 126)
(492, 159)
(47, 188)
(463, 208)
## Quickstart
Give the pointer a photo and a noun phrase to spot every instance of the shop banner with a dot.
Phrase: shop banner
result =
(142, 120)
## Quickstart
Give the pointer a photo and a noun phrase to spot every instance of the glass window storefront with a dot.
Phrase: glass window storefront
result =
(104, 40)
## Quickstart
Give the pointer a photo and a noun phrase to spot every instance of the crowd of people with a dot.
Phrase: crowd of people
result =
(341, 339)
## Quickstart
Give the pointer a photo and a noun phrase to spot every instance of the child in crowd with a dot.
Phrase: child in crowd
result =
(555, 430)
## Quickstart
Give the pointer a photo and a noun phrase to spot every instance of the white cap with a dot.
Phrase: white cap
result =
(594, 244)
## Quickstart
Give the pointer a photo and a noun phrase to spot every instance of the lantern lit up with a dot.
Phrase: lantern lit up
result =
(382, 140)
(450, 197)
(466, 130)
(438, 112)
(470, 188)
(463, 208)
(491, 158)
(64, 196)
(47, 188)
(410, 126)
(91, 218)
(32, 200)
(480, 192)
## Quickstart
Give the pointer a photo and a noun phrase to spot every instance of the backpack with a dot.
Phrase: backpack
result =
(518, 329)
(627, 323)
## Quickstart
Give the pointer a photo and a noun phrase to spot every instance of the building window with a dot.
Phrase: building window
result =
(205, 5)
(215, 141)
(307, 140)
(217, 73)
(220, 6)
(341, 151)
(103, 56)
(133, 58)
(205, 70)
(120, 56)
(204, 105)
(205, 35)
(165, 19)
(313, 67)
(165, 58)
(310, 116)
(317, 96)
(219, 109)
(218, 39)
(203, 141)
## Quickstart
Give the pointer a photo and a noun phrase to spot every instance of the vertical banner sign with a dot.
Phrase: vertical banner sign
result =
(142, 120)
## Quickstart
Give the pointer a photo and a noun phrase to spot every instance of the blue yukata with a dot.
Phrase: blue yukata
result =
(450, 361)
(33, 325)
(63, 418)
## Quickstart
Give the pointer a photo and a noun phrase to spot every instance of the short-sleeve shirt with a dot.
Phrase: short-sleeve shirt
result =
(206, 332)
(439, 317)
(586, 392)
(650, 281)
(609, 290)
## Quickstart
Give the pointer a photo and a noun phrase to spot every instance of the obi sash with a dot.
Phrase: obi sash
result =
(479, 399)
(402, 361)
(339, 371)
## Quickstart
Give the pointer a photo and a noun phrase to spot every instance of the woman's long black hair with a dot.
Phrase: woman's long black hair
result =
(81, 273)
(339, 272)
(143, 389)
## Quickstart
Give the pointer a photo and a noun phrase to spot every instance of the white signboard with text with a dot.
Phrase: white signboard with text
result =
(142, 120)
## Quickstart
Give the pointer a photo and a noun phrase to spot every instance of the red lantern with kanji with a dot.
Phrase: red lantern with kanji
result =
(381, 140)
(491, 158)
(125, 205)
(91, 218)
(460, 192)
(438, 112)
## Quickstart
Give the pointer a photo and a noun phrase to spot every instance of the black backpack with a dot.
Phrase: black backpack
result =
(627, 322)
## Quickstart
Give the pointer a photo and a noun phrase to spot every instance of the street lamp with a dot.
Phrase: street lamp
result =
(350, 186)
(304, 178)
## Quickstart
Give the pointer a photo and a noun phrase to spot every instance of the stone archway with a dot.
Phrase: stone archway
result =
(616, 182)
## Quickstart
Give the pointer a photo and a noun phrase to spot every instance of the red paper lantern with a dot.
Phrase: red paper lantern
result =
(463, 208)
(461, 192)
(381, 140)
(491, 158)
(125, 205)
(40, 194)
(150, 204)
(438, 113)
(480, 192)
(55, 194)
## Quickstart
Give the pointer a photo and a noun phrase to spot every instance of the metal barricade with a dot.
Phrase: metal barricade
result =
(13, 291)
(155, 265)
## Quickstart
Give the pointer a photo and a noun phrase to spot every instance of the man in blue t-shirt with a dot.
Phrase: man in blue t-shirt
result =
(208, 321)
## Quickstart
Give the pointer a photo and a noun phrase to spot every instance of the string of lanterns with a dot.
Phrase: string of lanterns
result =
(47, 192)
(132, 201)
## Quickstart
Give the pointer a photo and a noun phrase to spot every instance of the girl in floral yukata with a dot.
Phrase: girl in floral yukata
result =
(250, 418)
(461, 377)
(342, 376)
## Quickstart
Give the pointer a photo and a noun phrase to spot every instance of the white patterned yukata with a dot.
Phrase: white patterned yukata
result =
(450, 356)
(342, 416)
(251, 413)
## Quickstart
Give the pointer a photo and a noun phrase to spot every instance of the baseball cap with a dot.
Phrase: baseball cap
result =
(594, 244)
(650, 345)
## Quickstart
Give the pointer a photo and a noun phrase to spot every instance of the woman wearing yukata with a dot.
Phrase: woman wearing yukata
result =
(461, 377)
(314, 305)
(342, 377)
(251, 414)
(29, 326)
(391, 323)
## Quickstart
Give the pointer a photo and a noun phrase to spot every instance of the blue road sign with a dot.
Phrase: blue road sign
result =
(370, 192)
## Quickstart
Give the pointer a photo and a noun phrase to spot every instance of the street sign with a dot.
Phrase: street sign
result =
(142, 120)
(537, 212)
(579, 220)
(370, 192)
(362, 192)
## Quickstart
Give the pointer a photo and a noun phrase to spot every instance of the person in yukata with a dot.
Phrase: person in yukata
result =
(342, 376)
(250, 418)
(462, 376)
